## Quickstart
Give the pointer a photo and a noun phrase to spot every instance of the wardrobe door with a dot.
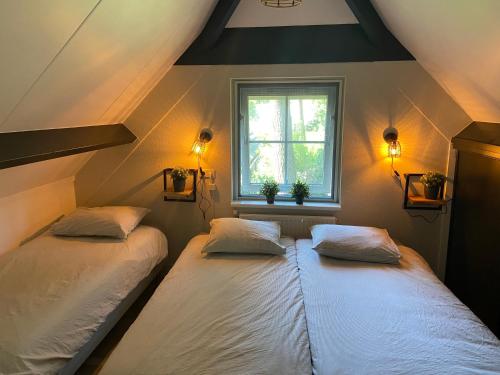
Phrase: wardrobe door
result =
(473, 262)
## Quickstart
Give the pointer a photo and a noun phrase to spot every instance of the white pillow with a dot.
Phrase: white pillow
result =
(364, 244)
(111, 221)
(232, 235)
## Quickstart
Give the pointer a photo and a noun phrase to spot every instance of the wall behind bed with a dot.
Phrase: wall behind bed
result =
(189, 98)
(24, 213)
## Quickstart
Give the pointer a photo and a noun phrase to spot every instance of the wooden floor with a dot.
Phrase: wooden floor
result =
(96, 360)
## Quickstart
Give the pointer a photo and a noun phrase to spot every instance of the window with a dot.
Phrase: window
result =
(287, 131)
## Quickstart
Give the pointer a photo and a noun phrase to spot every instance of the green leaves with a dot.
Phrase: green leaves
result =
(270, 188)
(299, 189)
(431, 179)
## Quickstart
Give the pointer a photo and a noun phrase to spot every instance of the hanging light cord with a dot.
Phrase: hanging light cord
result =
(201, 188)
(396, 173)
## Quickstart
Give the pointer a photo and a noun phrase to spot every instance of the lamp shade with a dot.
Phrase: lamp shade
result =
(394, 149)
(281, 3)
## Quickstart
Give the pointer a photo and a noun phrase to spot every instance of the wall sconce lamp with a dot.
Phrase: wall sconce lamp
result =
(393, 146)
(199, 147)
(200, 144)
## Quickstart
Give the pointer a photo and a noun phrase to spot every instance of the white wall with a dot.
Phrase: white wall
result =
(24, 213)
(192, 97)
(458, 43)
(251, 13)
(71, 63)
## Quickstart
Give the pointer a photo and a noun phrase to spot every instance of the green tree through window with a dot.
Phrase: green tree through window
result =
(287, 133)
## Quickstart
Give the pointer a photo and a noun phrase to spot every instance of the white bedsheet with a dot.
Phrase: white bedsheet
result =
(56, 291)
(383, 319)
(220, 314)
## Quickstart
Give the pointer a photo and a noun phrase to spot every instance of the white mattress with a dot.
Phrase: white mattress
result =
(55, 292)
(380, 319)
(220, 314)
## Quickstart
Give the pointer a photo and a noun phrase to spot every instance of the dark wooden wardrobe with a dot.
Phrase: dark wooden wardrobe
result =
(473, 261)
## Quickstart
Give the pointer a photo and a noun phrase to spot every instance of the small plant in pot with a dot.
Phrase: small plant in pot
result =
(299, 191)
(179, 176)
(432, 181)
(269, 189)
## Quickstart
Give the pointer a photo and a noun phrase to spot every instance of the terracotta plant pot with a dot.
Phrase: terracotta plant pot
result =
(299, 200)
(270, 200)
(431, 192)
(179, 185)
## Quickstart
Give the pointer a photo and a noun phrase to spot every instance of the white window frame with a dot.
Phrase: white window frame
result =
(333, 143)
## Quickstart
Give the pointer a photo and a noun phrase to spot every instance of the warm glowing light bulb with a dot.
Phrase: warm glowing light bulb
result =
(198, 148)
(394, 149)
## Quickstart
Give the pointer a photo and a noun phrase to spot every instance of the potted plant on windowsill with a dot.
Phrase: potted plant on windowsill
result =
(269, 189)
(179, 176)
(299, 191)
(432, 181)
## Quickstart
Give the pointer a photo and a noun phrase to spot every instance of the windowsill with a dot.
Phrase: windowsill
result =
(285, 205)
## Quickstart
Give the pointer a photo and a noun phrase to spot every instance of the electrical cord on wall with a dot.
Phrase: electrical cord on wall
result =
(201, 188)
(426, 219)
(396, 174)
(433, 219)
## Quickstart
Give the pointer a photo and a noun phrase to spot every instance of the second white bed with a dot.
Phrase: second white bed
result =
(367, 318)
(57, 292)
(220, 314)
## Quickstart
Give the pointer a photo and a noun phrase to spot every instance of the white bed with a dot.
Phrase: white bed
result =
(57, 294)
(220, 314)
(300, 314)
(366, 318)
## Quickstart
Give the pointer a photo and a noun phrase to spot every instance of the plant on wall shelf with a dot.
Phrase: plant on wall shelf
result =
(179, 176)
(269, 189)
(432, 181)
(299, 191)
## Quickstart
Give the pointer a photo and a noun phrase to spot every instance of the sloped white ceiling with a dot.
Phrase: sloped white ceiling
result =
(251, 13)
(80, 62)
(457, 42)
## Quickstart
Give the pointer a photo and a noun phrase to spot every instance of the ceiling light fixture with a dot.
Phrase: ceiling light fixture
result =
(281, 3)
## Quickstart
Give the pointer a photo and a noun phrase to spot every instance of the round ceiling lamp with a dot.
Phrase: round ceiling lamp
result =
(281, 3)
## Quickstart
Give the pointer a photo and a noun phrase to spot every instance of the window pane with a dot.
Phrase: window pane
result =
(267, 160)
(308, 117)
(306, 162)
(265, 118)
(286, 134)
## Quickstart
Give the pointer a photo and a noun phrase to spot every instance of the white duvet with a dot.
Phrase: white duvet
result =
(220, 314)
(366, 318)
(56, 291)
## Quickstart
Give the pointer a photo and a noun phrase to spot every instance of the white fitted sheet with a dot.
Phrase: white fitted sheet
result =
(220, 314)
(366, 318)
(55, 292)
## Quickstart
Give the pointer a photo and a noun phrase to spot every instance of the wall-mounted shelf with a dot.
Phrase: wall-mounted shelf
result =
(189, 193)
(414, 199)
(185, 195)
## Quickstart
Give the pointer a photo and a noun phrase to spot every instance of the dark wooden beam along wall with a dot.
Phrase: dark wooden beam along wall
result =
(18, 148)
(369, 40)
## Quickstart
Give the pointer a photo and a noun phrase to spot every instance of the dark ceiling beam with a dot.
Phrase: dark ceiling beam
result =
(292, 45)
(367, 41)
(373, 26)
(215, 24)
(25, 147)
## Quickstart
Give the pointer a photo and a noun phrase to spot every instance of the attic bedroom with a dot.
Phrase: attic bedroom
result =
(249, 187)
